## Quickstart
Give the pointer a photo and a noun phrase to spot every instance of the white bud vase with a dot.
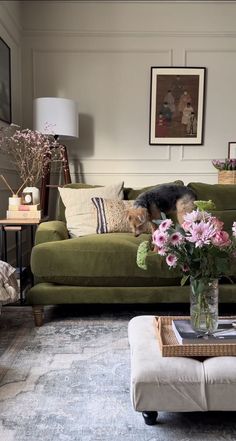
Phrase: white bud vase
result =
(35, 194)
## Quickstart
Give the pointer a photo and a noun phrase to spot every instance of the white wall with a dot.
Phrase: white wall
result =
(10, 31)
(100, 54)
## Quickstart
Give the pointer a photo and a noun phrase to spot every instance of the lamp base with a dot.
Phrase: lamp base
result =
(45, 184)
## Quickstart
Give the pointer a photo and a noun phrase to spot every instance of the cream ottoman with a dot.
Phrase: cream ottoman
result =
(176, 384)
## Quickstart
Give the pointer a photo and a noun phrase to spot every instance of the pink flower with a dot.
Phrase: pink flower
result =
(165, 225)
(162, 251)
(160, 238)
(185, 268)
(217, 223)
(221, 239)
(201, 234)
(171, 260)
(196, 215)
(234, 229)
(176, 238)
(186, 225)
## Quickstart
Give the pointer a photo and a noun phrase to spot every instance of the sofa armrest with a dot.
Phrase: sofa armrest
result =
(51, 231)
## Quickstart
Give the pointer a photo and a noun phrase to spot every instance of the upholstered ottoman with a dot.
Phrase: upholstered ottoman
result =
(176, 384)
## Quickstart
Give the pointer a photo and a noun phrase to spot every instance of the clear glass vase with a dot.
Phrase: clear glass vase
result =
(204, 297)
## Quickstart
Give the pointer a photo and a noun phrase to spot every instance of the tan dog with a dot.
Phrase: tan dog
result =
(140, 221)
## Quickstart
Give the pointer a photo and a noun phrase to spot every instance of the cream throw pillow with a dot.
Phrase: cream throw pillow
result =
(80, 213)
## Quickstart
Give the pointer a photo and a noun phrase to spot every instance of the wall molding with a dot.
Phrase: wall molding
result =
(125, 34)
(147, 173)
(133, 160)
(186, 52)
(34, 53)
(133, 2)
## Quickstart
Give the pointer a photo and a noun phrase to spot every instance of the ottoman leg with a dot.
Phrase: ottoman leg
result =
(150, 417)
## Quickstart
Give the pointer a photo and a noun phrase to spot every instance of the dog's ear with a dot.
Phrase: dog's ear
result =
(142, 215)
(129, 213)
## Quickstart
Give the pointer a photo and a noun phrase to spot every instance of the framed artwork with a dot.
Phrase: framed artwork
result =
(177, 99)
(232, 150)
(5, 82)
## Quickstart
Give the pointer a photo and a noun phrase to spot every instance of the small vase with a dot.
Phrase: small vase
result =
(204, 305)
(35, 194)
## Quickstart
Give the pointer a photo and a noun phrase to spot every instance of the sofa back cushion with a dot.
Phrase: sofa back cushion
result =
(224, 196)
(129, 194)
(132, 194)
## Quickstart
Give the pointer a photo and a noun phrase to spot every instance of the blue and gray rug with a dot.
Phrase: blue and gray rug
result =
(69, 381)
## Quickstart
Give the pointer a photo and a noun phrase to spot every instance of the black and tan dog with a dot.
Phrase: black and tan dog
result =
(167, 199)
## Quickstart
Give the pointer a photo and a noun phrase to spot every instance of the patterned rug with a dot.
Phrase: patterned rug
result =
(69, 381)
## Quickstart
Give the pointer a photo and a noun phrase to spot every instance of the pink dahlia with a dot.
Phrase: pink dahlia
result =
(171, 260)
(176, 238)
(165, 225)
(162, 251)
(160, 238)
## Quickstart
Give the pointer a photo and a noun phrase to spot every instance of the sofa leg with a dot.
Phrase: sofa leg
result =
(38, 315)
(150, 417)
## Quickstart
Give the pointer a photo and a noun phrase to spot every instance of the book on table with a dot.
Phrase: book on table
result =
(18, 214)
(24, 207)
(225, 333)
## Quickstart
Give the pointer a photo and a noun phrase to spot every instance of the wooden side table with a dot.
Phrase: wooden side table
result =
(17, 226)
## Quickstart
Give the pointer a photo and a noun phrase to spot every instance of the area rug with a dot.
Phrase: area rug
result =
(70, 381)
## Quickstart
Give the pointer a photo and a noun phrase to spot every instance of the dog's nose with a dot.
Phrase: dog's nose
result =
(137, 234)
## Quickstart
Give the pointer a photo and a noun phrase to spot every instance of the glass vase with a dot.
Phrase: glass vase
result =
(204, 305)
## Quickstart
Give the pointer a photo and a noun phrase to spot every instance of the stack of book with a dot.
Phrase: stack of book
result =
(225, 333)
(24, 212)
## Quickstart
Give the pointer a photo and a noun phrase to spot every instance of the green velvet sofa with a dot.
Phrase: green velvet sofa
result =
(101, 268)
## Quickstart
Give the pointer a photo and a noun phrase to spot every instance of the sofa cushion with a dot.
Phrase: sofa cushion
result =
(61, 207)
(224, 196)
(112, 215)
(131, 193)
(99, 260)
(80, 212)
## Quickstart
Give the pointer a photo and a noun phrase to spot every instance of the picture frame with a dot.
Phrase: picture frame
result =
(232, 150)
(5, 82)
(177, 105)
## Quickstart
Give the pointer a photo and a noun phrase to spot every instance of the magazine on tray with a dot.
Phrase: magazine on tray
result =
(225, 333)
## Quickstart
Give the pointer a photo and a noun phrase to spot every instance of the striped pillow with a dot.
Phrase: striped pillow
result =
(111, 215)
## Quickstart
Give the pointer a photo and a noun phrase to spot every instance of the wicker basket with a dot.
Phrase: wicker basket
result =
(170, 347)
(227, 177)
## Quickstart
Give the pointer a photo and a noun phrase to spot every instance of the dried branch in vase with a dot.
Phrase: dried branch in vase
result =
(30, 152)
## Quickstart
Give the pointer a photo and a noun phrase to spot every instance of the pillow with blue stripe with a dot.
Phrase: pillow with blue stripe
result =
(112, 215)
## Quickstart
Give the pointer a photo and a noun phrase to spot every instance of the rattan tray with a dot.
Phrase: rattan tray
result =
(170, 347)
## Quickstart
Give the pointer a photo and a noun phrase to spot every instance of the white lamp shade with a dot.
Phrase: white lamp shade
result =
(56, 116)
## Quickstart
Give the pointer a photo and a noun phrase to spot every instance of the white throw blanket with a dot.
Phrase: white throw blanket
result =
(9, 290)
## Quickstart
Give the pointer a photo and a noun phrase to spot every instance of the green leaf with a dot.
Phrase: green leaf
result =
(184, 280)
